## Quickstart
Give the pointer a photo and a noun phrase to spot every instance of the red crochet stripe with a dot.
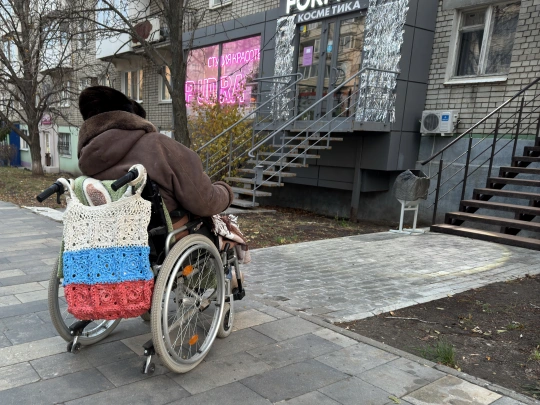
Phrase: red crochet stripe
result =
(109, 301)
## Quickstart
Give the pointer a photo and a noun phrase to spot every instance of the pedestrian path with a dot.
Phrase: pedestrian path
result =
(278, 352)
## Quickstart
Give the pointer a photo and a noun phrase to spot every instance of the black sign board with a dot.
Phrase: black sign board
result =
(331, 10)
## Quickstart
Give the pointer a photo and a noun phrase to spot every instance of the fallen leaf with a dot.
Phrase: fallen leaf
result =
(392, 313)
(394, 399)
(488, 358)
(437, 332)
(442, 309)
(501, 330)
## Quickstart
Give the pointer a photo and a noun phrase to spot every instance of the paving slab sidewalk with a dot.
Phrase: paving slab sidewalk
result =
(282, 350)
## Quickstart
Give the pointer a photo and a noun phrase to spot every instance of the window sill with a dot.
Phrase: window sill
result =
(66, 156)
(220, 6)
(24, 149)
(165, 102)
(476, 79)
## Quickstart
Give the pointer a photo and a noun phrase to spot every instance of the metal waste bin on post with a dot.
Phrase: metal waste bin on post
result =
(410, 187)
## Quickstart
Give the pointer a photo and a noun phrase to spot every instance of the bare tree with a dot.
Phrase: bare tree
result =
(132, 17)
(41, 57)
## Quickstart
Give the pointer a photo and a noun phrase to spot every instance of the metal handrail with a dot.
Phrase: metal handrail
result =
(299, 76)
(482, 120)
(321, 100)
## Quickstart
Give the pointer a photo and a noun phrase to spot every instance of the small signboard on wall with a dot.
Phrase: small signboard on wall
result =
(307, 57)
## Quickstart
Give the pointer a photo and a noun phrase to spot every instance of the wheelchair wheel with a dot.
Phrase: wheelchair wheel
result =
(188, 302)
(62, 319)
(228, 319)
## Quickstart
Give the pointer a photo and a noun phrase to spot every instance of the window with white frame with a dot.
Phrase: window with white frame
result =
(65, 95)
(132, 84)
(219, 3)
(484, 40)
(85, 82)
(105, 80)
(165, 95)
(64, 143)
(24, 145)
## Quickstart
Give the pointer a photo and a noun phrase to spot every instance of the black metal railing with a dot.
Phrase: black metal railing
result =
(516, 118)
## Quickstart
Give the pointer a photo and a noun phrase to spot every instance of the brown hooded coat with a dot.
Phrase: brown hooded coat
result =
(111, 142)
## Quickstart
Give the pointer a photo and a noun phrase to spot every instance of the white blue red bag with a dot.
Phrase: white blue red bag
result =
(106, 267)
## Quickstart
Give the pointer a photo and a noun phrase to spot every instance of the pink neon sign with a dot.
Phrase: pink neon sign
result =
(238, 60)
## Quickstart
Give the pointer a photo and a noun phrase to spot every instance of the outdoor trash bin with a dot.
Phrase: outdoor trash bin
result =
(409, 187)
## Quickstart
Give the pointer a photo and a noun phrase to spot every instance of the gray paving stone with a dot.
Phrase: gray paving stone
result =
(11, 273)
(354, 360)
(239, 341)
(57, 390)
(294, 350)
(353, 391)
(31, 351)
(212, 374)
(17, 375)
(59, 365)
(311, 398)
(21, 309)
(20, 288)
(451, 390)
(128, 370)
(128, 328)
(391, 379)
(507, 401)
(152, 391)
(27, 278)
(27, 328)
(250, 318)
(231, 394)
(293, 381)
(287, 328)
(4, 341)
(8, 300)
(105, 353)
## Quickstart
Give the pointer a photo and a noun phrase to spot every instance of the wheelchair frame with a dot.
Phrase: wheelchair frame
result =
(166, 258)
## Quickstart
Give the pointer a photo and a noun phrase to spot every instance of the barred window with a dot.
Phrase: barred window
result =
(64, 144)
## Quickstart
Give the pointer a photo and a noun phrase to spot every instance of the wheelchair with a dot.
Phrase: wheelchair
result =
(192, 301)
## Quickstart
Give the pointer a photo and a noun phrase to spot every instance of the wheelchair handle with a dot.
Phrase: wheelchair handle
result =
(57, 187)
(125, 179)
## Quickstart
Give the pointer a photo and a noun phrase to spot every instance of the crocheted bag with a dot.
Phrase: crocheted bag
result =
(106, 265)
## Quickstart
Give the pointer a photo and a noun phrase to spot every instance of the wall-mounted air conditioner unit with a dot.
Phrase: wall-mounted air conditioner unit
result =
(441, 122)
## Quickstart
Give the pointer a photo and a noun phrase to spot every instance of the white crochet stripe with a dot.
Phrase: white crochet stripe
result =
(117, 224)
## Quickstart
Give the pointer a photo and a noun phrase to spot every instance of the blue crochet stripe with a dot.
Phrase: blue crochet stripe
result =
(107, 265)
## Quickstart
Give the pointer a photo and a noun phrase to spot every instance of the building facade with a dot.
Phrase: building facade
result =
(484, 52)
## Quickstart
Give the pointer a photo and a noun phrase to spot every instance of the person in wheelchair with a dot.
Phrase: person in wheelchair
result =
(115, 135)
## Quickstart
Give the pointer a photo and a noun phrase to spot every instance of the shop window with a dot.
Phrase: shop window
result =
(132, 84)
(165, 95)
(219, 3)
(64, 144)
(221, 72)
(484, 40)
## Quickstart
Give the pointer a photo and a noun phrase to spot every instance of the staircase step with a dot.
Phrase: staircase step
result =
(311, 138)
(525, 170)
(526, 159)
(269, 163)
(486, 219)
(488, 236)
(507, 193)
(289, 155)
(248, 191)
(523, 209)
(244, 203)
(314, 147)
(268, 172)
(532, 148)
(519, 182)
(251, 181)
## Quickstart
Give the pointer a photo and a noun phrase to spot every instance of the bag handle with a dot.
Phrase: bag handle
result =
(141, 178)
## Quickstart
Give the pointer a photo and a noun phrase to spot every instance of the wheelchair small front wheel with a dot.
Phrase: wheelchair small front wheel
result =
(188, 303)
(62, 319)
(225, 326)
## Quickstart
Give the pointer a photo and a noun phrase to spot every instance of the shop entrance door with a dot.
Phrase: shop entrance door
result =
(329, 52)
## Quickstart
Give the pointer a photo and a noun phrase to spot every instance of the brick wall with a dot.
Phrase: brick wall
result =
(238, 8)
(474, 101)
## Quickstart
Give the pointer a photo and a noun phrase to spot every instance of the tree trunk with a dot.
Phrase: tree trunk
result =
(35, 151)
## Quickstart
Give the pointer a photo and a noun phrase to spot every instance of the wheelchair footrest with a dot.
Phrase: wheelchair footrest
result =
(77, 328)
(148, 367)
(239, 294)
